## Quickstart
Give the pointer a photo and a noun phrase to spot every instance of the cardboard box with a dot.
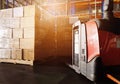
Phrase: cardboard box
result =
(27, 43)
(28, 54)
(14, 23)
(29, 32)
(9, 43)
(5, 22)
(5, 53)
(17, 54)
(18, 33)
(1, 13)
(5, 33)
(18, 12)
(6, 13)
(5, 43)
(9, 12)
(10, 22)
(31, 10)
(28, 22)
(15, 43)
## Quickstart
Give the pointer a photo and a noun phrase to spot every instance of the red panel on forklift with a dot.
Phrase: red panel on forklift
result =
(92, 40)
(110, 48)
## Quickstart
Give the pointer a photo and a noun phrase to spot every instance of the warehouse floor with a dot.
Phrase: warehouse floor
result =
(23, 74)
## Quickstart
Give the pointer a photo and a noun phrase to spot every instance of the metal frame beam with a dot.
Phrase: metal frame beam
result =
(0, 4)
(3, 5)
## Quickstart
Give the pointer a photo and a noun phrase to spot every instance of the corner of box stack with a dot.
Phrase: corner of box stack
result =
(17, 29)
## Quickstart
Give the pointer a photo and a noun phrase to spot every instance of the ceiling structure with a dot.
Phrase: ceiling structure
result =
(82, 8)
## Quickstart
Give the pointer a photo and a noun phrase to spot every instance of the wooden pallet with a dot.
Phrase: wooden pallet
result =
(25, 62)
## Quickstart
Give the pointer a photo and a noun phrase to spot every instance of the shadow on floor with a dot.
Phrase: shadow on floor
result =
(23, 74)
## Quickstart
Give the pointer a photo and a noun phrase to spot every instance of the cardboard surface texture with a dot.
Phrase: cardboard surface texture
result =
(10, 22)
(17, 54)
(29, 32)
(18, 33)
(18, 12)
(6, 13)
(15, 43)
(33, 8)
(27, 43)
(27, 22)
(5, 33)
(5, 53)
(14, 23)
(28, 54)
(5, 43)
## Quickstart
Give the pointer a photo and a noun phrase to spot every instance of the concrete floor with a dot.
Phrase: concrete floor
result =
(23, 74)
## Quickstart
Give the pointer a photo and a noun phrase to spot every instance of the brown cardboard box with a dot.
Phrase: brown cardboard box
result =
(18, 33)
(68, 36)
(5, 33)
(27, 43)
(27, 22)
(29, 32)
(28, 54)
(31, 10)
(18, 12)
(15, 43)
(17, 54)
(5, 53)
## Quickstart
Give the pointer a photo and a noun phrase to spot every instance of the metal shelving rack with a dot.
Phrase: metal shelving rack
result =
(82, 8)
(58, 7)
(79, 8)
(4, 4)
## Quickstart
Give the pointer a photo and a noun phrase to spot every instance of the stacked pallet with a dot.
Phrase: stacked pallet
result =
(64, 38)
(8, 44)
(29, 23)
(17, 33)
(31, 34)
(12, 33)
(26, 33)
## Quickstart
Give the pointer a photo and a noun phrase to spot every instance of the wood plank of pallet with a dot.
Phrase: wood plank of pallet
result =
(25, 62)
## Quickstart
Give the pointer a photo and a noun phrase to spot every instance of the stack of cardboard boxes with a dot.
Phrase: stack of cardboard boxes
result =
(30, 33)
(17, 28)
(6, 40)
(17, 33)
(29, 23)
